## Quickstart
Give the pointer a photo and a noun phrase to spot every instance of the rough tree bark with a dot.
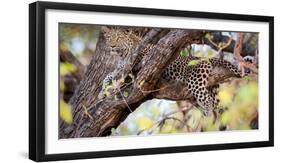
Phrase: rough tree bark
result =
(95, 117)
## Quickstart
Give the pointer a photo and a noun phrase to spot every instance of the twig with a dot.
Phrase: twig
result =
(86, 112)
(220, 49)
(124, 99)
(162, 122)
(217, 46)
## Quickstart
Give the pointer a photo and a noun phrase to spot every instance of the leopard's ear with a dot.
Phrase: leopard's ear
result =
(105, 29)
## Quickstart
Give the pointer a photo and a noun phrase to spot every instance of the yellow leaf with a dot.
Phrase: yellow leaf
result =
(106, 90)
(141, 83)
(65, 112)
(67, 68)
(144, 123)
(106, 93)
(108, 87)
(225, 97)
(62, 86)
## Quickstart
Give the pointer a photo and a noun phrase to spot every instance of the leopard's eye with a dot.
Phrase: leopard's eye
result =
(112, 47)
(115, 49)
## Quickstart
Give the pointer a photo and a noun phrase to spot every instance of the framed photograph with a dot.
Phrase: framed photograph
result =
(110, 81)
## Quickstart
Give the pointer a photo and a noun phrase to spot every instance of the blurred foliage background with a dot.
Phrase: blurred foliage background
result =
(238, 98)
(78, 41)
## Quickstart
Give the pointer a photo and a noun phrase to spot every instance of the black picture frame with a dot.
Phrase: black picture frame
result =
(37, 78)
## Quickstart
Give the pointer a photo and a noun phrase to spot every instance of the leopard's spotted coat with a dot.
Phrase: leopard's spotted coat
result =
(122, 41)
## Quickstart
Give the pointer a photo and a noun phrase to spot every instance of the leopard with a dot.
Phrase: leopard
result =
(121, 41)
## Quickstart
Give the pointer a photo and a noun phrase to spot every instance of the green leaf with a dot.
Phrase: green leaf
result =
(209, 36)
(65, 112)
(125, 94)
(193, 62)
(210, 54)
(184, 52)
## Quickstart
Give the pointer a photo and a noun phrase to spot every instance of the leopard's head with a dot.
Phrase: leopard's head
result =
(119, 40)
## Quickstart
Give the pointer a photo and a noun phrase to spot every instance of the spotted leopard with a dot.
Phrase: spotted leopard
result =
(122, 41)
(195, 77)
